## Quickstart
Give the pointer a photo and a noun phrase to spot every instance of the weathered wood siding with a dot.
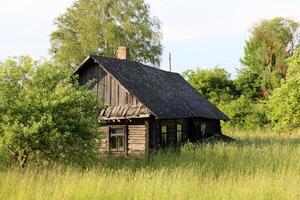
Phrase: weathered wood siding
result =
(104, 146)
(137, 139)
(109, 90)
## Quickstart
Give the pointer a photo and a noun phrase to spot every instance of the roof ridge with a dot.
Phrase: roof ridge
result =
(132, 61)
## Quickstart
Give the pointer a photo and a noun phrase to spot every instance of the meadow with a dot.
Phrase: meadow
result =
(259, 165)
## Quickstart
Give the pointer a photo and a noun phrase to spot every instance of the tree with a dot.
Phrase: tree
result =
(245, 113)
(100, 26)
(271, 42)
(214, 84)
(284, 105)
(44, 115)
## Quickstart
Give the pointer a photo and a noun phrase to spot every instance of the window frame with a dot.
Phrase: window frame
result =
(181, 131)
(163, 135)
(124, 135)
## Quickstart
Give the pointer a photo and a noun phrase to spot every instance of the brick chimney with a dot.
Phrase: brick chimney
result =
(122, 53)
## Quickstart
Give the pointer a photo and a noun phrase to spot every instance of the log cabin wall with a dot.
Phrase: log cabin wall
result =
(104, 143)
(136, 140)
(109, 90)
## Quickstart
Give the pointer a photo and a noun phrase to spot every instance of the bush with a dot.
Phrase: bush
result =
(245, 114)
(44, 114)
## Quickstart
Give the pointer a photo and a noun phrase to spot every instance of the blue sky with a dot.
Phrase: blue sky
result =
(198, 33)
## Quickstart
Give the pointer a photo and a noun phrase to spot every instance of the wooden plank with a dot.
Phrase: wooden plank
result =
(137, 132)
(137, 128)
(138, 110)
(138, 137)
(135, 141)
(125, 110)
(136, 147)
(147, 126)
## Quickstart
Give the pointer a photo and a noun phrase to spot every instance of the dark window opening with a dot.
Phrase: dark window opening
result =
(164, 135)
(117, 139)
(179, 132)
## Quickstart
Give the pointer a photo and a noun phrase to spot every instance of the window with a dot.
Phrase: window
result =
(179, 132)
(203, 128)
(164, 135)
(117, 139)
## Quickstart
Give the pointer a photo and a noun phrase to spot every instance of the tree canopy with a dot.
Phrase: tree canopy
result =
(100, 26)
(214, 84)
(284, 106)
(271, 43)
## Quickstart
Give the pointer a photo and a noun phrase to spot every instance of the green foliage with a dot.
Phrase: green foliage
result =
(271, 42)
(284, 106)
(245, 114)
(214, 84)
(44, 116)
(100, 26)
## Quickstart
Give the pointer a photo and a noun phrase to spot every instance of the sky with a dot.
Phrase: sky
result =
(198, 33)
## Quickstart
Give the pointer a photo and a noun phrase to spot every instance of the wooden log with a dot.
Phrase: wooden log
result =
(136, 137)
(137, 134)
(137, 131)
(136, 141)
(136, 147)
(136, 126)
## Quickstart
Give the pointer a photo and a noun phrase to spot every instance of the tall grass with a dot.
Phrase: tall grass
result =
(260, 165)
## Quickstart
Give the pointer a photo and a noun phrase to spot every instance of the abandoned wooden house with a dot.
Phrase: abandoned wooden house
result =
(146, 108)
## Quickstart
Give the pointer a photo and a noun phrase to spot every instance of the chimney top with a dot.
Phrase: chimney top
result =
(122, 53)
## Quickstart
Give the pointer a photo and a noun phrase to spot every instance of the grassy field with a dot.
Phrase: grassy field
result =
(258, 166)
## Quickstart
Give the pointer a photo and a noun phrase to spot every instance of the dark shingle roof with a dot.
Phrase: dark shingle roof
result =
(167, 95)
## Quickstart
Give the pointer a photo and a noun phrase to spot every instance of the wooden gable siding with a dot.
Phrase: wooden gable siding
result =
(109, 90)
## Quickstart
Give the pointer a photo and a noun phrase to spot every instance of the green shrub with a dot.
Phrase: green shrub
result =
(245, 114)
(44, 115)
